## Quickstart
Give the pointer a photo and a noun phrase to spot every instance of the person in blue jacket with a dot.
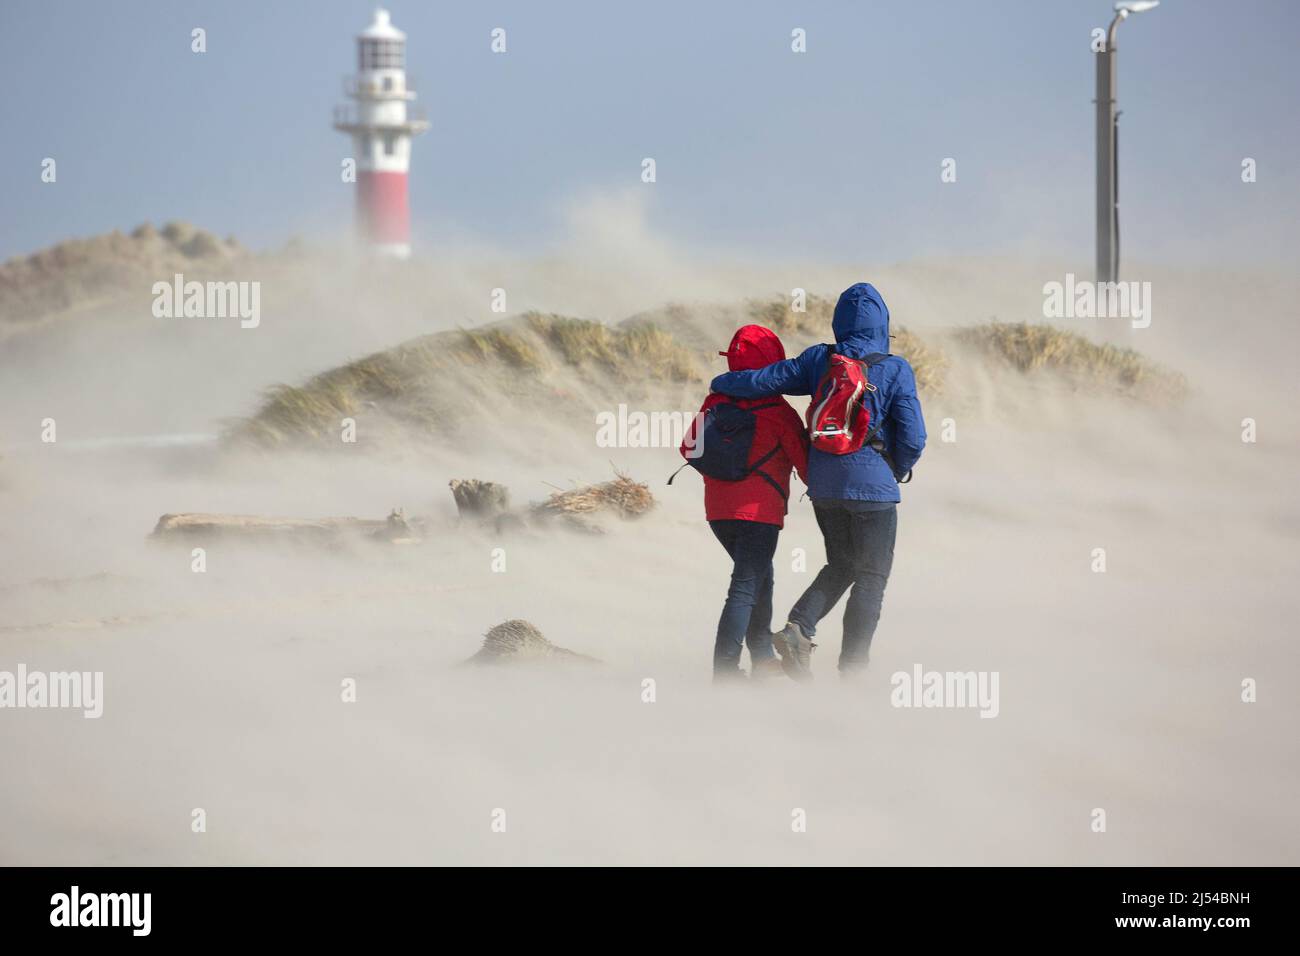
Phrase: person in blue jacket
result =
(854, 496)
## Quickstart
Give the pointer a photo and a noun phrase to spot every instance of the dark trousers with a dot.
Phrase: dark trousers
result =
(859, 555)
(747, 615)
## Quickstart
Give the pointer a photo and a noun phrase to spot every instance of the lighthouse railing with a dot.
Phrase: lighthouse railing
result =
(358, 88)
(349, 116)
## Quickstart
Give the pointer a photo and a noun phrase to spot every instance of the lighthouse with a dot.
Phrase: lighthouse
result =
(381, 119)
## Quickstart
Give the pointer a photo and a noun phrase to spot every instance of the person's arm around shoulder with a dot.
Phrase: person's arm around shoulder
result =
(791, 377)
(908, 431)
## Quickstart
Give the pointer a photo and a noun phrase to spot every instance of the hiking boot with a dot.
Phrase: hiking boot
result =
(766, 669)
(796, 657)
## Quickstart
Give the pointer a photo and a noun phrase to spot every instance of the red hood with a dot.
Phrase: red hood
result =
(753, 346)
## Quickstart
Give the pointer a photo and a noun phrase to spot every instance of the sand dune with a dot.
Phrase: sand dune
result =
(222, 690)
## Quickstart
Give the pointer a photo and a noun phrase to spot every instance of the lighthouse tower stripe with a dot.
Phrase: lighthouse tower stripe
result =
(381, 126)
(383, 214)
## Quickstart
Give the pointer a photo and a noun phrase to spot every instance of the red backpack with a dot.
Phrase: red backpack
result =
(839, 416)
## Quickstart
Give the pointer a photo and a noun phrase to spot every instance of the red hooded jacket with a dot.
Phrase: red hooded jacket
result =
(780, 427)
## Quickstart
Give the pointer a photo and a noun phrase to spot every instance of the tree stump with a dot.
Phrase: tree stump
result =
(479, 500)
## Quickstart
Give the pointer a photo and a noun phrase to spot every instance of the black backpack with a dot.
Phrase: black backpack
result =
(724, 441)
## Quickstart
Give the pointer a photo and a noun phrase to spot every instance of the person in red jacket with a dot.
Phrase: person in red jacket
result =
(747, 515)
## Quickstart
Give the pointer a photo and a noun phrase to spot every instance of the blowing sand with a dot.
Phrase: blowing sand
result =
(1119, 690)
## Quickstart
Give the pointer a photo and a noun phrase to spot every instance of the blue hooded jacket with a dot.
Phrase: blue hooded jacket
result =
(861, 327)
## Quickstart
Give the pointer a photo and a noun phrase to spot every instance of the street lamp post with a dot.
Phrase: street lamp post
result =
(1107, 157)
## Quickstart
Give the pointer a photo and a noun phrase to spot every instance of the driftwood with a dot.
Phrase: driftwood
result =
(480, 500)
(575, 508)
(488, 503)
(484, 502)
(517, 640)
(193, 525)
(622, 497)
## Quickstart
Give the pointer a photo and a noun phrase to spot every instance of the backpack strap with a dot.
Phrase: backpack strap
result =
(875, 358)
(879, 447)
(772, 481)
(763, 461)
(757, 469)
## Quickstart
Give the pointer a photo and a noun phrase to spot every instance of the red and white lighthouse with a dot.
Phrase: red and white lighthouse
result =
(381, 121)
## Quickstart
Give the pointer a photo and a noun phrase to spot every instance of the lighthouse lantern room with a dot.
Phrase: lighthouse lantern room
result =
(381, 119)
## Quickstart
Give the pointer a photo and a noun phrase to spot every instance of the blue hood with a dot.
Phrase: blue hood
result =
(861, 322)
(861, 327)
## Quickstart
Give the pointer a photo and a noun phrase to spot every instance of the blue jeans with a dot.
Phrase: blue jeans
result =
(859, 555)
(747, 615)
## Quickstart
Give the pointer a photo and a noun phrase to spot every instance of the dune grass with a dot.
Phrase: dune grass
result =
(403, 381)
(1030, 348)
(434, 383)
(80, 272)
(778, 316)
(644, 349)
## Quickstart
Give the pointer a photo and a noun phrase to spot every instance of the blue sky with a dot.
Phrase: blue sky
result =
(761, 152)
